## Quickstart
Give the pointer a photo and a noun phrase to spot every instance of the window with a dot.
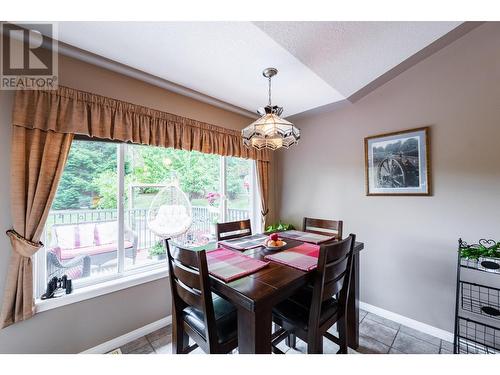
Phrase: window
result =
(97, 227)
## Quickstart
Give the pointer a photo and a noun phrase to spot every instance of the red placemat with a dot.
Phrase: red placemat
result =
(229, 265)
(306, 236)
(303, 257)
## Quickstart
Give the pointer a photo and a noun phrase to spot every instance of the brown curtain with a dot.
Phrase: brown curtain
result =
(72, 111)
(263, 181)
(37, 163)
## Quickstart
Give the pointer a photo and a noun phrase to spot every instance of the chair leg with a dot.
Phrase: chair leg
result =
(315, 345)
(180, 339)
(291, 341)
(342, 329)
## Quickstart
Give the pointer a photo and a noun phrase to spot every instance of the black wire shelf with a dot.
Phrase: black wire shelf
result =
(474, 337)
(491, 265)
(480, 299)
(483, 263)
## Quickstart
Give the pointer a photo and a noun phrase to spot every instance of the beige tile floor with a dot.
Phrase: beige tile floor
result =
(377, 336)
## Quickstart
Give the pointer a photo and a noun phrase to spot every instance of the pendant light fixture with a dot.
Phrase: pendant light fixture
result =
(270, 131)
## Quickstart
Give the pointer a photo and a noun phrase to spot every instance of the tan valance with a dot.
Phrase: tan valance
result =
(72, 111)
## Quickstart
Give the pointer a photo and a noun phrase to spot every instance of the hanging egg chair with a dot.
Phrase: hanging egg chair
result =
(170, 214)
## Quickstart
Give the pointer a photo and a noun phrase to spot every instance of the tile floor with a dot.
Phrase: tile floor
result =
(377, 336)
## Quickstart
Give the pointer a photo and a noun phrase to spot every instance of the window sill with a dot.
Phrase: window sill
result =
(82, 294)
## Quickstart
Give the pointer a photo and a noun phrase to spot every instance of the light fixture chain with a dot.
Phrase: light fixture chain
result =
(269, 91)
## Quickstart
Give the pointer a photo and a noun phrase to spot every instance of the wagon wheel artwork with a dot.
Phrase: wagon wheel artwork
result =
(391, 173)
(398, 171)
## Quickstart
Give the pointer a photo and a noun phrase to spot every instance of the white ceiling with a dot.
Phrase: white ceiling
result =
(350, 55)
(318, 62)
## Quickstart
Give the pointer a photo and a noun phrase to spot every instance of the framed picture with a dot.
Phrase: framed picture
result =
(398, 163)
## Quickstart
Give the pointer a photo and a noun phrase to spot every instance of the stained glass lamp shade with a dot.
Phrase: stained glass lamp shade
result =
(270, 131)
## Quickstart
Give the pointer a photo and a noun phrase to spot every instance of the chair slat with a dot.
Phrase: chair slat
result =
(333, 287)
(233, 229)
(188, 295)
(323, 226)
(332, 272)
(187, 276)
(186, 257)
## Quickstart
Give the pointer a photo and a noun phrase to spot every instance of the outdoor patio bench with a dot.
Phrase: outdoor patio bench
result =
(96, 240)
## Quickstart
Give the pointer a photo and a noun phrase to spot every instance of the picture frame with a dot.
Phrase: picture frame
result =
(398, 163)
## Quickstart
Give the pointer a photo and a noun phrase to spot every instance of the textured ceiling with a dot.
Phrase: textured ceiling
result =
(350, 55)
(318, 62)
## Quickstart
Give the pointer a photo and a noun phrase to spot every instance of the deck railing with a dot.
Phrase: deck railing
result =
(136, 219)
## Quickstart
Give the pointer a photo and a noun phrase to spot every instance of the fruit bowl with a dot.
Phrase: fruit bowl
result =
(274, 242)
(269, 246)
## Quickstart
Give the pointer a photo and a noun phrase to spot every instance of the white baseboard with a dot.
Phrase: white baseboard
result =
(126, 338)
(415, 324)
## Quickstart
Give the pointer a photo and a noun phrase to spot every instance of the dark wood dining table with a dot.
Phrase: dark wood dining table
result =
(255, 296)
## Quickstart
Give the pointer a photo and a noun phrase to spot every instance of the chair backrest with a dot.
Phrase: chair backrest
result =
(322, 226)
(190, 285)
(233, 229)
(332, 275)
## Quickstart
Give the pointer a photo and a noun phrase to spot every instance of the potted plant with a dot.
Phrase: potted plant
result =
(157, 252)
(279, 227)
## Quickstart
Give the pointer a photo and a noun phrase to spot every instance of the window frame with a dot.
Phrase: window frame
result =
(125, 278)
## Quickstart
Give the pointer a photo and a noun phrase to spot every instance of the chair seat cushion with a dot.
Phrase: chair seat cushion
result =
(92, 250)
(294, 312)
(225, 319)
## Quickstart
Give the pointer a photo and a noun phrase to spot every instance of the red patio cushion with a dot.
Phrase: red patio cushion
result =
(91, 250)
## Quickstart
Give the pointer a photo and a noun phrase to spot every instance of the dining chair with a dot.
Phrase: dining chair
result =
(197, 313)
(233, 229)
(324, 227)
(311, 311)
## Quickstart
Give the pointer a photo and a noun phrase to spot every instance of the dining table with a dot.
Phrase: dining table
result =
(255, 295)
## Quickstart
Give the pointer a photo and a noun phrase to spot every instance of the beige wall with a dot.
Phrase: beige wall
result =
(86, 77)
(409, 263)
(77, 327)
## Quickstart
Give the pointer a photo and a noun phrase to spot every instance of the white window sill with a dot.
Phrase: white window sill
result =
(92, 291)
